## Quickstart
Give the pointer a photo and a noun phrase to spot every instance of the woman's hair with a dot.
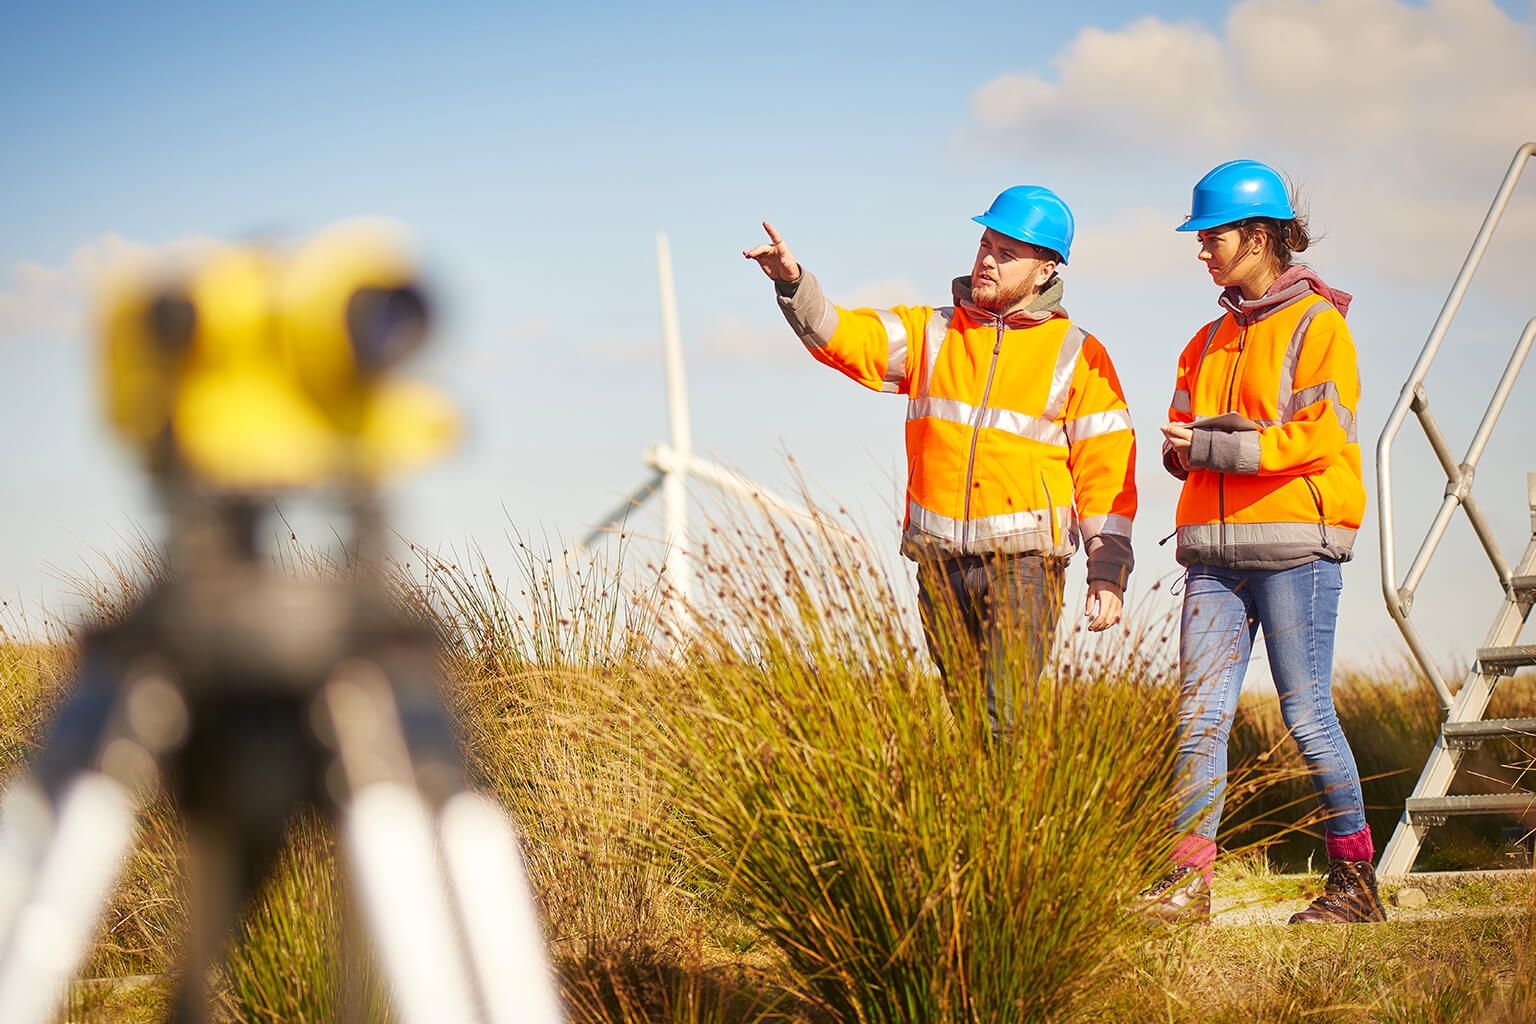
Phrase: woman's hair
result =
(1286, 238)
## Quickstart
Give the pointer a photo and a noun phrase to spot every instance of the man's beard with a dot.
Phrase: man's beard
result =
(995, 299)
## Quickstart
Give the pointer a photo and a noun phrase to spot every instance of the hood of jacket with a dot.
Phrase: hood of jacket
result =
(1294, 284)
(1044, 306)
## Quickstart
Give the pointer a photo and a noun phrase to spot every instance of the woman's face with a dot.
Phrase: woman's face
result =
(1227, 258)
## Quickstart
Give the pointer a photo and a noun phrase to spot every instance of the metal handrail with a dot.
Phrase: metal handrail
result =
(1459, 476)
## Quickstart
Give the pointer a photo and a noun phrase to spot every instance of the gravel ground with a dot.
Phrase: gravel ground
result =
(1446, 894)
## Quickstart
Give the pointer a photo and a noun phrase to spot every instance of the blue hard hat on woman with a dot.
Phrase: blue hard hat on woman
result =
(1238, 190)
(1033, 214)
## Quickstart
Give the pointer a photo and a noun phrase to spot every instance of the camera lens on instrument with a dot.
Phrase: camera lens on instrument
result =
(386, 324)
(172, 320)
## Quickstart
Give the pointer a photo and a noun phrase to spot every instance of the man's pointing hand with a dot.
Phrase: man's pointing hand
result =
(775, 258)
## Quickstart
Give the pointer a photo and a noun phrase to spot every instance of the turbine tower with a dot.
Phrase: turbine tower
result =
(672, 464)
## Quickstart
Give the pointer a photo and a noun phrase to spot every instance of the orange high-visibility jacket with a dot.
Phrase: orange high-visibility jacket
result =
(1018, 436)
(1291, 491)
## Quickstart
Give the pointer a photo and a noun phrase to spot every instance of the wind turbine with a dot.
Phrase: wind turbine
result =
(672, 463)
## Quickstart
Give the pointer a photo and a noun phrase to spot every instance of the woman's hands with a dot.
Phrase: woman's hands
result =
(1179, 437)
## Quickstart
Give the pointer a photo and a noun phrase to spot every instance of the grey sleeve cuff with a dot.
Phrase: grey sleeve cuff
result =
(1171, 463)
(1110, 559)
(810, 314)
(1224, 452)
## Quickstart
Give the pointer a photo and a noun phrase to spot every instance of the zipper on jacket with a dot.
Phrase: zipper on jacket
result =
(1317, 499)
(970, 462)
(1221, 478)
(1050, 509)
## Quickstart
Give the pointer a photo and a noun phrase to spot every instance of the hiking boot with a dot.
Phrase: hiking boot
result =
(1349, 897)
(1182, 896)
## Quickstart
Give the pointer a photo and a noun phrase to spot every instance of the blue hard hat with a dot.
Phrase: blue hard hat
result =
(1237, 190)
(1033, 214)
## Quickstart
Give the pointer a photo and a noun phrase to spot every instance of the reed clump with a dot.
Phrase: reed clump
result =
(908, 865)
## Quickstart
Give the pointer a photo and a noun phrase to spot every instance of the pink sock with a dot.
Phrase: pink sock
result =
(1198, 852)
(1351, 847)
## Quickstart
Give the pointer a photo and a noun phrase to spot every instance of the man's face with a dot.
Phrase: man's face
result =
(1008, 272)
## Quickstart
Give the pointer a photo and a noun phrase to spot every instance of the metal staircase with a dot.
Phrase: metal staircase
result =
(1464, 727)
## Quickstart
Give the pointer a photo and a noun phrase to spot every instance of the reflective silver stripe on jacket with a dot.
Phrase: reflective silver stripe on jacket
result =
(1293, 356)
(1329, 391)
(1029, 531)
(934, 334)
(1094, 526)
(1097, 423)
(1264, 534)
(952, 410)
(1288, 400)
(1061, 376)
(896, 351)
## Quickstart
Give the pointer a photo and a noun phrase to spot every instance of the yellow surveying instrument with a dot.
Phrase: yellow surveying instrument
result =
(250, 693)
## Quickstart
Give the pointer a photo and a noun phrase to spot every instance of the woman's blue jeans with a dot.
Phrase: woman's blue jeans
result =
(1298, 609)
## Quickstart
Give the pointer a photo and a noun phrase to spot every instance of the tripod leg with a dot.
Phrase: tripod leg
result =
(392, 853)
(391, 846)
(26, 825)
(496, 905)
(68, 882)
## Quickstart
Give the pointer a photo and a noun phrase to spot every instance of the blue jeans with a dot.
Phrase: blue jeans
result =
(1298, 608)
(994, 616)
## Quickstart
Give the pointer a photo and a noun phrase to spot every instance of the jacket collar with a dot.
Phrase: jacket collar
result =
(1045, 305)
(1290, 287)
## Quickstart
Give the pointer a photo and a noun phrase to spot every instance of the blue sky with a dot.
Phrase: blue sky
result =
(534, 151)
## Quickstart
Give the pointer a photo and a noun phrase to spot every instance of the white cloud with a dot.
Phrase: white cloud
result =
(1396, 118)
(1137, 241)
(1135, 86)
(44, 301)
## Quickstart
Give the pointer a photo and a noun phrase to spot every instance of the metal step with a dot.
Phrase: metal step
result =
(1433, 810)
(1472, 734)
(1506, 659)
(1524, 587)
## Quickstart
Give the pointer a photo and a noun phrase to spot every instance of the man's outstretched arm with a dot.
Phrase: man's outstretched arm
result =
(876, 347)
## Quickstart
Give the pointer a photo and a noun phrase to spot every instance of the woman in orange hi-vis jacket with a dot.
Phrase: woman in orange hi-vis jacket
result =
(1017, 434)
(1262, 432)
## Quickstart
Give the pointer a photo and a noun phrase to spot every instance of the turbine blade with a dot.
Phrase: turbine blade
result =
(617, 517)
(731, 482)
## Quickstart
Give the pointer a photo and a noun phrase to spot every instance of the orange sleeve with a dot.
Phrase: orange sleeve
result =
(1317, 420)
(1101, 457)
(879, 348)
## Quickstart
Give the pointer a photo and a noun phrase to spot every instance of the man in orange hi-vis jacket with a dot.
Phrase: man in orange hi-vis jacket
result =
(1018, 439)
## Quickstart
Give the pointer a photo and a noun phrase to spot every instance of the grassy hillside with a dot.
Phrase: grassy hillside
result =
(788, 816)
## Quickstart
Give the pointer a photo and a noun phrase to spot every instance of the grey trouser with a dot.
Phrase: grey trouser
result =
(992, 617)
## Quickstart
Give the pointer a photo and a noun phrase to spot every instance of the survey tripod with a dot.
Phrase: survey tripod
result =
(250, 694)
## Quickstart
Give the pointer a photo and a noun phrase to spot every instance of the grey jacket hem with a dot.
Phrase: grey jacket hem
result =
(1261, 557)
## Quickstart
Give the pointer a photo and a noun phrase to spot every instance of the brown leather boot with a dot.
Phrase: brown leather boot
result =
(1349, 897)
(1182, 896)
